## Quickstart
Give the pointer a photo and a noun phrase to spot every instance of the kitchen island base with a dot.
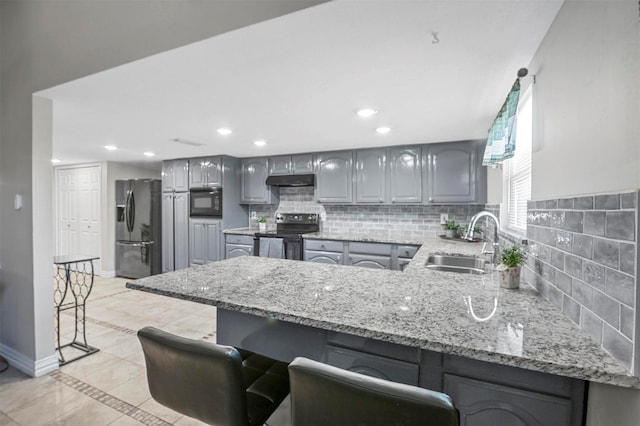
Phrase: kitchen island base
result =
(484, 393)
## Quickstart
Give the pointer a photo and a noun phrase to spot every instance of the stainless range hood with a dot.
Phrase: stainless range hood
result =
(292, 180)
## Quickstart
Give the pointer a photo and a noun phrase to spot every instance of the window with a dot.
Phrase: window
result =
(516, 171)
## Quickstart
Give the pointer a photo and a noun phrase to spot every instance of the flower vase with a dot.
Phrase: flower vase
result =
(509, 277)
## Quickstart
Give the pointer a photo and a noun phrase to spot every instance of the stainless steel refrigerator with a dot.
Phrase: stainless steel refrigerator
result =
(138, 228)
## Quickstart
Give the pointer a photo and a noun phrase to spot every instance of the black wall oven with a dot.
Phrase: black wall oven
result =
(205, 202)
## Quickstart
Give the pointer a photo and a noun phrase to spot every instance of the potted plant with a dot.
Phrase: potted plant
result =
(451, 229)
(262, 224)
(511, 259)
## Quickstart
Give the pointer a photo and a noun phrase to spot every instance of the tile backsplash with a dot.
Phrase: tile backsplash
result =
(411, 221)
(583, 259)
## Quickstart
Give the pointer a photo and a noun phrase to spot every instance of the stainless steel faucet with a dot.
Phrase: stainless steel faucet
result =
(469, 234)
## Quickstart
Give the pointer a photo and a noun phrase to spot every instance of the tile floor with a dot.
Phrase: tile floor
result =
(109, 387)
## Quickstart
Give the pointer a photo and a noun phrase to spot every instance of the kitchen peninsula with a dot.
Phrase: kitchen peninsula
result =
(458, 333)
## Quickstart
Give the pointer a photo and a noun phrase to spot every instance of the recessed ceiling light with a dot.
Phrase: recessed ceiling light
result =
(55, 160)
(383, 130)
(149, 154)
(110, 147)
(366, 112)
(260, 143)
(224, 131)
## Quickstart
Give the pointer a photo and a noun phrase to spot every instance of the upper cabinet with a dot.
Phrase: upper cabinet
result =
(454, 173)
(334, 177)
(205, 172)
(371, 176)
(405, 175)
(254, 190)
(291, 164)
(175, 175)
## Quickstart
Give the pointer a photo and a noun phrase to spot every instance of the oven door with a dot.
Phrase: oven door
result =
(277, 247)
(205, 202)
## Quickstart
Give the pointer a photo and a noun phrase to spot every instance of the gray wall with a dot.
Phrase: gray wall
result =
(48, 43)
(586, 143)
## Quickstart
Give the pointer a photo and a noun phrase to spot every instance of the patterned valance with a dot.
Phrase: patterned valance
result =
(501, 143)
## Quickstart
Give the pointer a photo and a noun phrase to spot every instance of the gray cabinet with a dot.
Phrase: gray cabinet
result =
(254, 190)
(334, 177)
(504, 405)
(452, 173)
(175, 175)
(238, 245)
(205, 239)
(371, 176)
(370, 255)
(291, 164)
(175, 231)
(405, 175)
(205, 172)
(373, 365)
(362, 254)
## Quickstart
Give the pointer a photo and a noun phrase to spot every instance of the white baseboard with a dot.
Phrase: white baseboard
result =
(107, 274)
(27, 365)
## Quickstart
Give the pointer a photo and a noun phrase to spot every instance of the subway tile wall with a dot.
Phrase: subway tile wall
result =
(583, 258)
(410, 221)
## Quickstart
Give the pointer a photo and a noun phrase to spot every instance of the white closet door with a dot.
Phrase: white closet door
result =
(67, 201)
(78, 201)
(89, 212)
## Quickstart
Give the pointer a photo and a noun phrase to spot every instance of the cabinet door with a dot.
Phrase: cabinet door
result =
(370, 261)
(405, 175)
(331, 258)
(181, 175)
(452, 173)
(254, 174)
(302, 164)
(168, 175)
(481, 403)
(167, 232)
(280, 165)
(213, 242)
(205, 172)
(198, 242)
(334, 173)
(373, 365)
(237, 250)
(181, 230)
(371, 176)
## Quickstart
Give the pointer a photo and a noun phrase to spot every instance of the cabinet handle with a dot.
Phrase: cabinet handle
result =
(393, 199)
(430, 199)
(322, 246)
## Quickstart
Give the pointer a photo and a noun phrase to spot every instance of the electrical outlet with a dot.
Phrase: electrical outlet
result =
(443, 218)
(254, 215)
(323, 215)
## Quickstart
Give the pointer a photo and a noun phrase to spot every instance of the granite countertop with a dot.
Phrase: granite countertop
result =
(459, 314)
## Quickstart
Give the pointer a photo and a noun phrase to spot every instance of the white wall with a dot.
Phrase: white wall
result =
(48, 43)
(111, 172)
(587, 101)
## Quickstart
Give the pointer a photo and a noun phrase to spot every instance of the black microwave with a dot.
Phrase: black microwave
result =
(205, 202)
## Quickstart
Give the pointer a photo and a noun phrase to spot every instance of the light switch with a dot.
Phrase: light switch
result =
(17, 202)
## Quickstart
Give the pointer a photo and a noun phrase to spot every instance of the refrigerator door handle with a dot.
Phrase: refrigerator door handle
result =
(133, 210)
(126, 210)
(136, 244)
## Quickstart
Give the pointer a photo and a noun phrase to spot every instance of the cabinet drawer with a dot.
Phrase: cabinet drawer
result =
(329, 257)
(370, 248)
(373, 365)
(324, 245)
(236, 250)
(239, 239)
(407, 251)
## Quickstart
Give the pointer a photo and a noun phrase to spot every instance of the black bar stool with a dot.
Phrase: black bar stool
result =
(213, 383)
(325, 395)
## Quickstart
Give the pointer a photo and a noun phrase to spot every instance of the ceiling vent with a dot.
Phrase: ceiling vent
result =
(186, 142)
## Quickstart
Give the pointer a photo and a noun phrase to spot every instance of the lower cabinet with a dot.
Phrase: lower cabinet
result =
(238, 245)
(373, 365)
(483, 403)
(204, 241)
(366, 255)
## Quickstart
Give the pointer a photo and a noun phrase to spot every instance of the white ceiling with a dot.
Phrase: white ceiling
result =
(297, 80)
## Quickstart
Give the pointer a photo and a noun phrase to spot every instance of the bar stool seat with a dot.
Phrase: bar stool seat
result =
(215, 384)
(325, 395)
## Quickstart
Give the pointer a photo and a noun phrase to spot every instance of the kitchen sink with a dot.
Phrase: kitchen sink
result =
(460, 264)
